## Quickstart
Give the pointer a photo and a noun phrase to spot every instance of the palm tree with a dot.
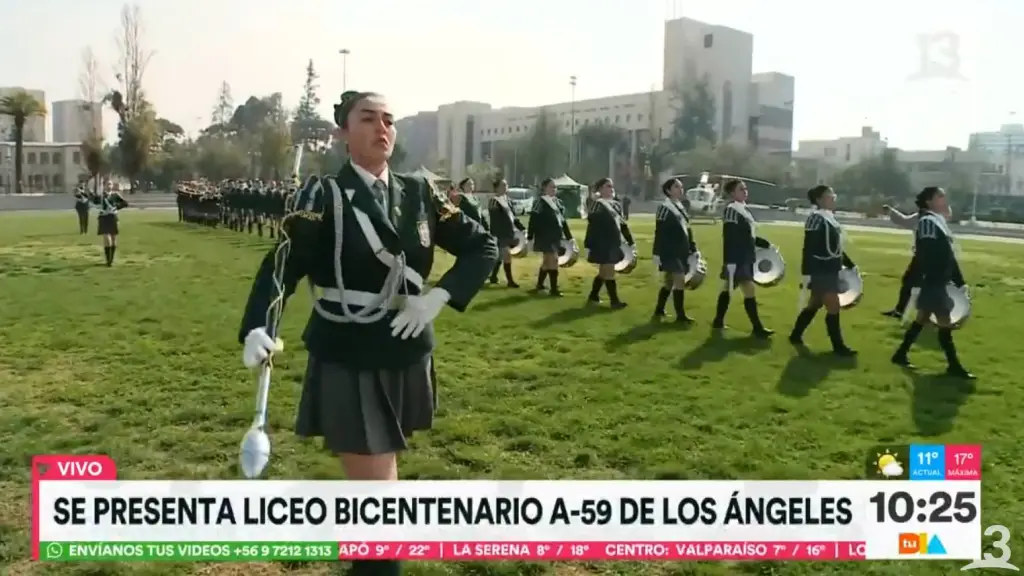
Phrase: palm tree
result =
(20, 106)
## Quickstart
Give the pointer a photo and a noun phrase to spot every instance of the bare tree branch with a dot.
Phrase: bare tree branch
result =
(91, 89)
(133, 59)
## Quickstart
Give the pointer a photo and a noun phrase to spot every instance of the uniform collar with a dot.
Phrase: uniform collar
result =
(369, 179)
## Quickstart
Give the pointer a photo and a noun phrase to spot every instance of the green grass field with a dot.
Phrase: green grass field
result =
(140, 362)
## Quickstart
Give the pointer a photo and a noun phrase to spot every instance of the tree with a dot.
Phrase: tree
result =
(224, 107)
(545, 153)
(136, 117)
(20, 106)
(482, 174)
(308, 127)
(695, 117)
(877, 177)
(598, 144)
(89, 85)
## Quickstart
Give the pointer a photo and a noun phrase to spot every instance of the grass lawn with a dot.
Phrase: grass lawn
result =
(140, 362)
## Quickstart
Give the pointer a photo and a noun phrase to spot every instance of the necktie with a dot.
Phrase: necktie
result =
(379, 190)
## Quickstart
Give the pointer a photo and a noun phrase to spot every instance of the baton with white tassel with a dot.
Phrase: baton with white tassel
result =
(254, 453)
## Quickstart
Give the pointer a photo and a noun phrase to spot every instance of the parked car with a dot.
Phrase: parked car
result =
(522, 200)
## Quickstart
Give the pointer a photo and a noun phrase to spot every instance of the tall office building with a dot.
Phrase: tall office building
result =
(35, 127)
(76, 120)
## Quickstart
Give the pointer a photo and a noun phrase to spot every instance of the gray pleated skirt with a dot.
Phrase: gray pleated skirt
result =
(934, 300)
(366, 411)
(825, 283)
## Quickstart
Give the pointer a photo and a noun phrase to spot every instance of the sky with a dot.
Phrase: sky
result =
(854, 62)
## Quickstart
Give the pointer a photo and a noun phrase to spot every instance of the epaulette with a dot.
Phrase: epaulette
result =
(814, 222)
(927, 229)
(445, 208)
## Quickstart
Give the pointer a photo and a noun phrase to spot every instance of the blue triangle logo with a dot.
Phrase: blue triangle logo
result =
(935, 546)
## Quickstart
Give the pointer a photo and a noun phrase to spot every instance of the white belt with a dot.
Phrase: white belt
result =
(358, 298)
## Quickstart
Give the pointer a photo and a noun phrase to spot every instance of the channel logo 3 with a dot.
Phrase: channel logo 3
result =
(1000, 560)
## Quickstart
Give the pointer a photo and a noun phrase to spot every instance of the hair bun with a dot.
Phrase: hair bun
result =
(348, 95)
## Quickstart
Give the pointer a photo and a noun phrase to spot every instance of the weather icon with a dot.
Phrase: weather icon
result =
(888, 465)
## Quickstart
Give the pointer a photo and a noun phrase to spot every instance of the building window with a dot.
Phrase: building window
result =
(31, 158)
(847, 152)
(76, 157)
(44, 158)
(629, 117)
(57, 157)
(617, 117)
(57, 181)
(709, 39)
(639, 117)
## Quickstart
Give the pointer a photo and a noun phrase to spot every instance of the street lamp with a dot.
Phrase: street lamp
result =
(572, 120)
(344, 68)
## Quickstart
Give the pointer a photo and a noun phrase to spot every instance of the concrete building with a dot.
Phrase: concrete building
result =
(771, 113)
(35, 127)
(48, 167)
(76, 120)
(723, 56)
(975, 170)
(418, 135)
(1008, 137)
(755, 110)
(845, 151)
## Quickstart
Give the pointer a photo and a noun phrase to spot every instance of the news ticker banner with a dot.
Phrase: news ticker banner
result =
(81, 512)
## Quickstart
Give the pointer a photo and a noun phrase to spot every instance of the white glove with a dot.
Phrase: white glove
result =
(258, 347)
(418, 313)
(805, 282)
(657, 261)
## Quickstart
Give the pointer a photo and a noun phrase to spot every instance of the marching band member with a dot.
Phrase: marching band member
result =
(504, 225)
(823, 258)
(370, 379)
(109, 202)
(909, 222)
(673, 245)
(607, 232)
(466, 201)
(82, 202)
(937, 267)
(739, 239)
(546, 229)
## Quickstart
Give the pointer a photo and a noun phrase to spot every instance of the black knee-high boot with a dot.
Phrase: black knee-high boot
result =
(659, 308)
(803, 320)
(750, 305)
(108, 255)
(553, 275)
(612, 287)
(494, 273)
(678, 304)
(508, 275)
(953, 365)
(835, 335)
(903, 299)
(721, 309)
(909, 337)
(541, 277)
(595, 290)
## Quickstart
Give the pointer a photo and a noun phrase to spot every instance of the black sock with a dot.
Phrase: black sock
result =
(541, 276)
(722, 308)
(835, 331)
(553, 274)
(494, 272)
(508, 272)
(595, 288)
(803, 320)
(612, 287)
(677, 303)
(946, 342)
(909, 337)
(750, 305)
(659, 309)
(113, 251)
(106, 254)
(904, 297)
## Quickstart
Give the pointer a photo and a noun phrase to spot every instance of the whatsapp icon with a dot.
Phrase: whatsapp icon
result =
(54, 551)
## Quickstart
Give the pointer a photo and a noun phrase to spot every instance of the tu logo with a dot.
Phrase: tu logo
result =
(999, 561)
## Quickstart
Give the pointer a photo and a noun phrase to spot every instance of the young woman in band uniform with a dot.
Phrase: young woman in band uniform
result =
(370, 380)
(673, 244)
(504, 225)
(607, 231)
(739, 239)
(110, 203)
(937, 268)
(823, 258)
(83, 200)
(546, 229)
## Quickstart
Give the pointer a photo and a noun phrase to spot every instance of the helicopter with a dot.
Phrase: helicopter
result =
(705, 199)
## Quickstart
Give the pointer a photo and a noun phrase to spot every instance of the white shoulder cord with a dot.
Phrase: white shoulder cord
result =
(832, 251)
(394, 283)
